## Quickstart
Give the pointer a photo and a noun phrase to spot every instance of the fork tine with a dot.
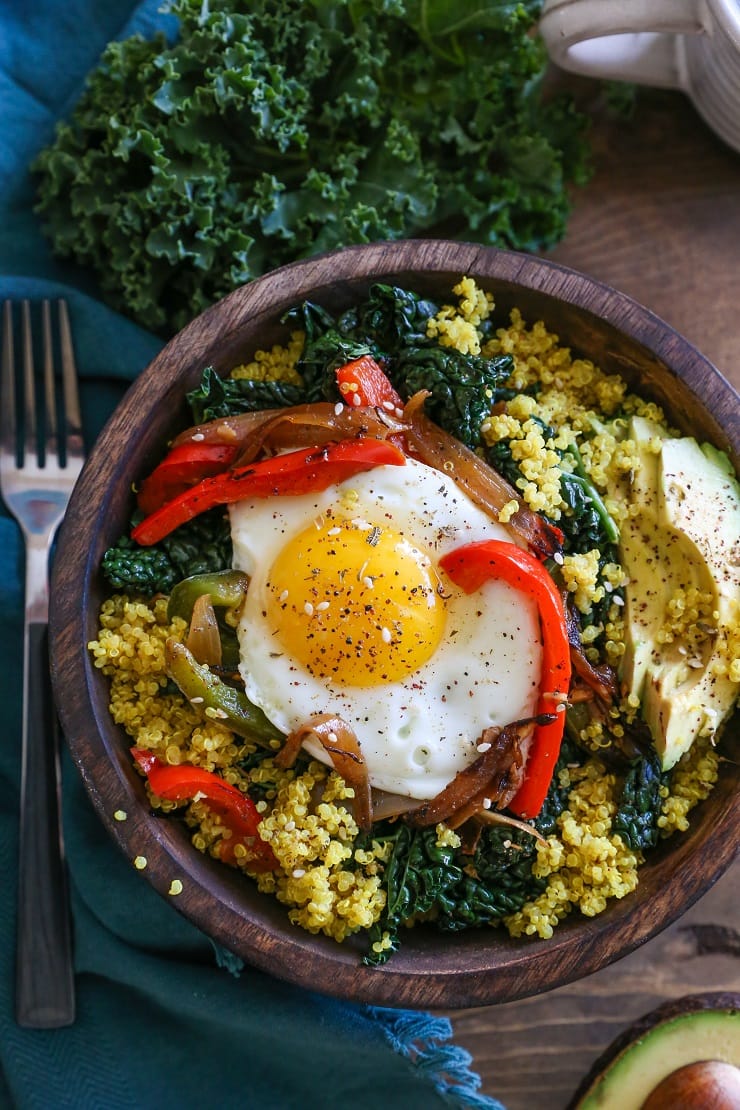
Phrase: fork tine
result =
(50, 408)
(72, 414)
(30, 427)
(8, 413)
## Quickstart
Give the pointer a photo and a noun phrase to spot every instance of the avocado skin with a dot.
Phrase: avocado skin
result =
(609, 1083)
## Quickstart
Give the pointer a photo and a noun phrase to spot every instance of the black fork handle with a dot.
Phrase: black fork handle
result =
(44, 976)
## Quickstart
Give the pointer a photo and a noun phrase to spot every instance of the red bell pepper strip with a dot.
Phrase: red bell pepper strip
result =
(291, 474)
(364, 382)
(469, 567)
(185, 466)
(236, 811)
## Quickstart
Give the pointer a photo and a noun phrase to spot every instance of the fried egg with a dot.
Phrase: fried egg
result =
(348, 613)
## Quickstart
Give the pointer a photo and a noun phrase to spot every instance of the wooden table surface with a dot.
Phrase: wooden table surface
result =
(660, 221)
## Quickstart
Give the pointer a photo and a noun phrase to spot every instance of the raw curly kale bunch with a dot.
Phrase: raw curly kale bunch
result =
(275, 129)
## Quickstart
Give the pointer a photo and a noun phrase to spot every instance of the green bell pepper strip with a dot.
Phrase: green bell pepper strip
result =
(469, 567)
(237, 812)
(291, 474)
(226, 589)
(215, 698)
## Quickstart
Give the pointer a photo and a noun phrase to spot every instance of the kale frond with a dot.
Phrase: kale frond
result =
(217, 397)
(200, 546)
(273, 130)
(640, 802)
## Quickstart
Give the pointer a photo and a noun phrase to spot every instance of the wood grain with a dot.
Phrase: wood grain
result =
(661, 222)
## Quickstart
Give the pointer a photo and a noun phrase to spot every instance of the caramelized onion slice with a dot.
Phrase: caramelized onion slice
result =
(390, 805)
(230, 430)
(493, 817)
(487, 777)
(340, 743)
(282, 429)
(602, 680)
(204, 639)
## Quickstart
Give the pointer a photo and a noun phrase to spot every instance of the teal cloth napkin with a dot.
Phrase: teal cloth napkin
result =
(165, 1017)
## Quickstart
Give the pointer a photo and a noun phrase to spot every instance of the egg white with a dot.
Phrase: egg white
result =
(416, 733)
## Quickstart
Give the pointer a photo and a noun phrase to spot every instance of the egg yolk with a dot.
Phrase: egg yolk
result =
(355, 603)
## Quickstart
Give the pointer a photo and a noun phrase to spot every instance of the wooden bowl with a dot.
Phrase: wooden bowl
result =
(431, 970)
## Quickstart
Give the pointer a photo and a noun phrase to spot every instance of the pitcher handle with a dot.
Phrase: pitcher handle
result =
(622, 40)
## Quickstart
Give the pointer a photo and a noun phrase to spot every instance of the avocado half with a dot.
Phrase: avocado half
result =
(680, 1032)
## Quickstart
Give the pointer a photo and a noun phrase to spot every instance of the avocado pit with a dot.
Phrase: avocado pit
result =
(685, 1055)
(703, 1085)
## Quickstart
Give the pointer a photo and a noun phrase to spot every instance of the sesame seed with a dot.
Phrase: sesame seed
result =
(332, 737)
(389, 406)
(338, 408)
(284, 595)
(197, 700)
(484, 748)
(385, 634)
(322, 606)
(487, 803)
(618, 600)
(356, 399)
(198, 437)
(308, 609)
(298, 873)
(558, 558)
(334, 531)
(368, 582)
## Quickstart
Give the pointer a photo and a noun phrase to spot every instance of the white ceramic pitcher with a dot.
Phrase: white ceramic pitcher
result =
(692, 45)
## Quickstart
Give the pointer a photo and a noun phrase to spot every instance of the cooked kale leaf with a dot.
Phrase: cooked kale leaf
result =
(460, 891)
(201, 545)
(217, 397)
(639, 803)
(463, 387)
(391, 325)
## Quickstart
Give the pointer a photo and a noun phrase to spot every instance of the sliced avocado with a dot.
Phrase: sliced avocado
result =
(681, 1032)
(683, 530)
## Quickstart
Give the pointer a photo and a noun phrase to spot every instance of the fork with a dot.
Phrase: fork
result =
(36, 479)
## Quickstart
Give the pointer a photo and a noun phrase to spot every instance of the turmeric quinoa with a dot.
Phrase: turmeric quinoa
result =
(328, 872)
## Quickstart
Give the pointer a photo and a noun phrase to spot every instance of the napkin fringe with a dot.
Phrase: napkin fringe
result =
(421, 1039)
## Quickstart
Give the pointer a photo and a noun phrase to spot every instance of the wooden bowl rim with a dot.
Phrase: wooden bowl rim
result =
(431, 970)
